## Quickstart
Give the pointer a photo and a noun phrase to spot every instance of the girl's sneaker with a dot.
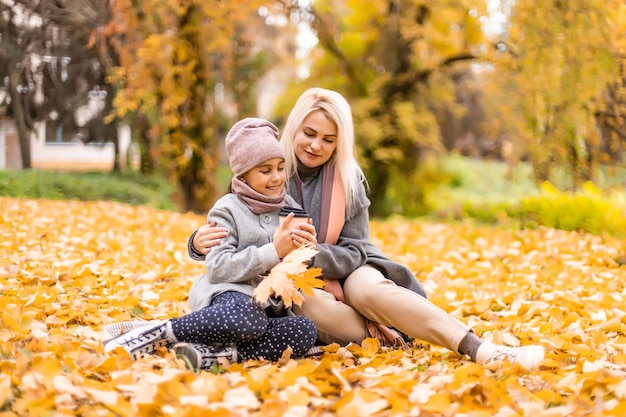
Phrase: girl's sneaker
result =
(205, 356)
(314, 351)
(143, 340)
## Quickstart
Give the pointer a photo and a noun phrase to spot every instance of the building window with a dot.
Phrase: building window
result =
(57, 132)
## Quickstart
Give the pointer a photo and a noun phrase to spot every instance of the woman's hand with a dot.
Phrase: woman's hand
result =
(207, 236)
(291, 234)
(303, 233)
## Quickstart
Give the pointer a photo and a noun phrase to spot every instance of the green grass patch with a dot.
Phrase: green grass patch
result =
(128, 187)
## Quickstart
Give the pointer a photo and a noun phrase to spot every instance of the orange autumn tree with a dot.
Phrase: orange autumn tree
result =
(179, 82)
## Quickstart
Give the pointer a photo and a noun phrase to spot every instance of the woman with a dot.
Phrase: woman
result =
(223, 313)
(325, 179)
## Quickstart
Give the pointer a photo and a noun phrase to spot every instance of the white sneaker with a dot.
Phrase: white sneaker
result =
(205, 356)
(116, 329)
(142, 340)
(527, 356)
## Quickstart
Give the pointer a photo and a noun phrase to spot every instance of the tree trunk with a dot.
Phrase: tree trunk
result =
(541, 171)
(147, 160)
(19, 115)
(378, 187)
(112, 135)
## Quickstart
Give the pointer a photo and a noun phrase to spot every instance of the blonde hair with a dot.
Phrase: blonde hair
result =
(335, 108)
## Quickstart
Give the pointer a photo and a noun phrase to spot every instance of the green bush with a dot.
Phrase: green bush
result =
(587, 210)
(409, 194)
(484, 192)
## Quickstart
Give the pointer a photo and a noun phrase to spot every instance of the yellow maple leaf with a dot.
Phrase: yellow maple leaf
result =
(290, 276)
(307, 280)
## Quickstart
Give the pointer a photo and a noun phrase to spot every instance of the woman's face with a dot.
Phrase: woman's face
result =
(315, 140)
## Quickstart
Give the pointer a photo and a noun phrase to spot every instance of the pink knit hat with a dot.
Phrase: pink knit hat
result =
(251, 142)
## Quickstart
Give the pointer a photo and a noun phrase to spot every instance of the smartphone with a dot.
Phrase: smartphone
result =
(300, 216)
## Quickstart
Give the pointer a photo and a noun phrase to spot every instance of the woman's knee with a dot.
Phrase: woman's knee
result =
(365, 286)
(335, 321)
(317, 306)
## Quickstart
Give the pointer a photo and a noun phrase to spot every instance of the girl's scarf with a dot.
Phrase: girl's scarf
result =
(257, 203)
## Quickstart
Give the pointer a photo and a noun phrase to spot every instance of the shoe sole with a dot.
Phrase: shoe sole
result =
(118, 329)
(188, 351)
(198, 361)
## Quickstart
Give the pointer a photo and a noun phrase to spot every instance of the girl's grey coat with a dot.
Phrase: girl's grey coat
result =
(243, 257)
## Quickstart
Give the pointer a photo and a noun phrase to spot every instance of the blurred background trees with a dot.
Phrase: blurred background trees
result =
(187, 69)
(541, 83)
(557, 64)
(402, 64)
(50, 70)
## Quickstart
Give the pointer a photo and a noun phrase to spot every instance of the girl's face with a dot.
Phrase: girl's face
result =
(267, 178)
(315, 140)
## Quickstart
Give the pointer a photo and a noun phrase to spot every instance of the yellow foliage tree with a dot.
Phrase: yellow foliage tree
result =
(558, 58)
(395, 61)
(611, 111)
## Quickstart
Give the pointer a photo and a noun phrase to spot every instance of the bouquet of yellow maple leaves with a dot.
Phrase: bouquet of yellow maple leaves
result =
(290, 279)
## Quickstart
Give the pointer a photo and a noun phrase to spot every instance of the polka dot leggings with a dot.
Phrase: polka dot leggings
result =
(233, 318)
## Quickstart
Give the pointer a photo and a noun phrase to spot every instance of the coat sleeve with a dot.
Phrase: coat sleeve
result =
(191, 250)
(227, 263)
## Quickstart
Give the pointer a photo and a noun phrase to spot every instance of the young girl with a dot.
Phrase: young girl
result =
(223, 313)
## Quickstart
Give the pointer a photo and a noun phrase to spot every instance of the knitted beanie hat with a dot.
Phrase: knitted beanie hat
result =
(250, 142)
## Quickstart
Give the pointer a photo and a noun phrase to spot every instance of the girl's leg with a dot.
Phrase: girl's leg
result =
(299, 333)
(336, 322)
(231, 318)
(381, 300)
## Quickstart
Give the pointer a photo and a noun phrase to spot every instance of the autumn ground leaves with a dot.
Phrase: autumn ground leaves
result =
(69, 268)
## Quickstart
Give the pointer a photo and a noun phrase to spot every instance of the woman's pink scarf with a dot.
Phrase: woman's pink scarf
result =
(332, 219)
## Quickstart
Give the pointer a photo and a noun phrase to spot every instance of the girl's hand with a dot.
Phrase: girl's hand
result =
(207, 236)
(282, 239)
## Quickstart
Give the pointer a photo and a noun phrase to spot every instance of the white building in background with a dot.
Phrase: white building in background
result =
(53, 149)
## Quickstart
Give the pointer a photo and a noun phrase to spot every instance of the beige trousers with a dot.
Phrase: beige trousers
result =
(370, 295)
